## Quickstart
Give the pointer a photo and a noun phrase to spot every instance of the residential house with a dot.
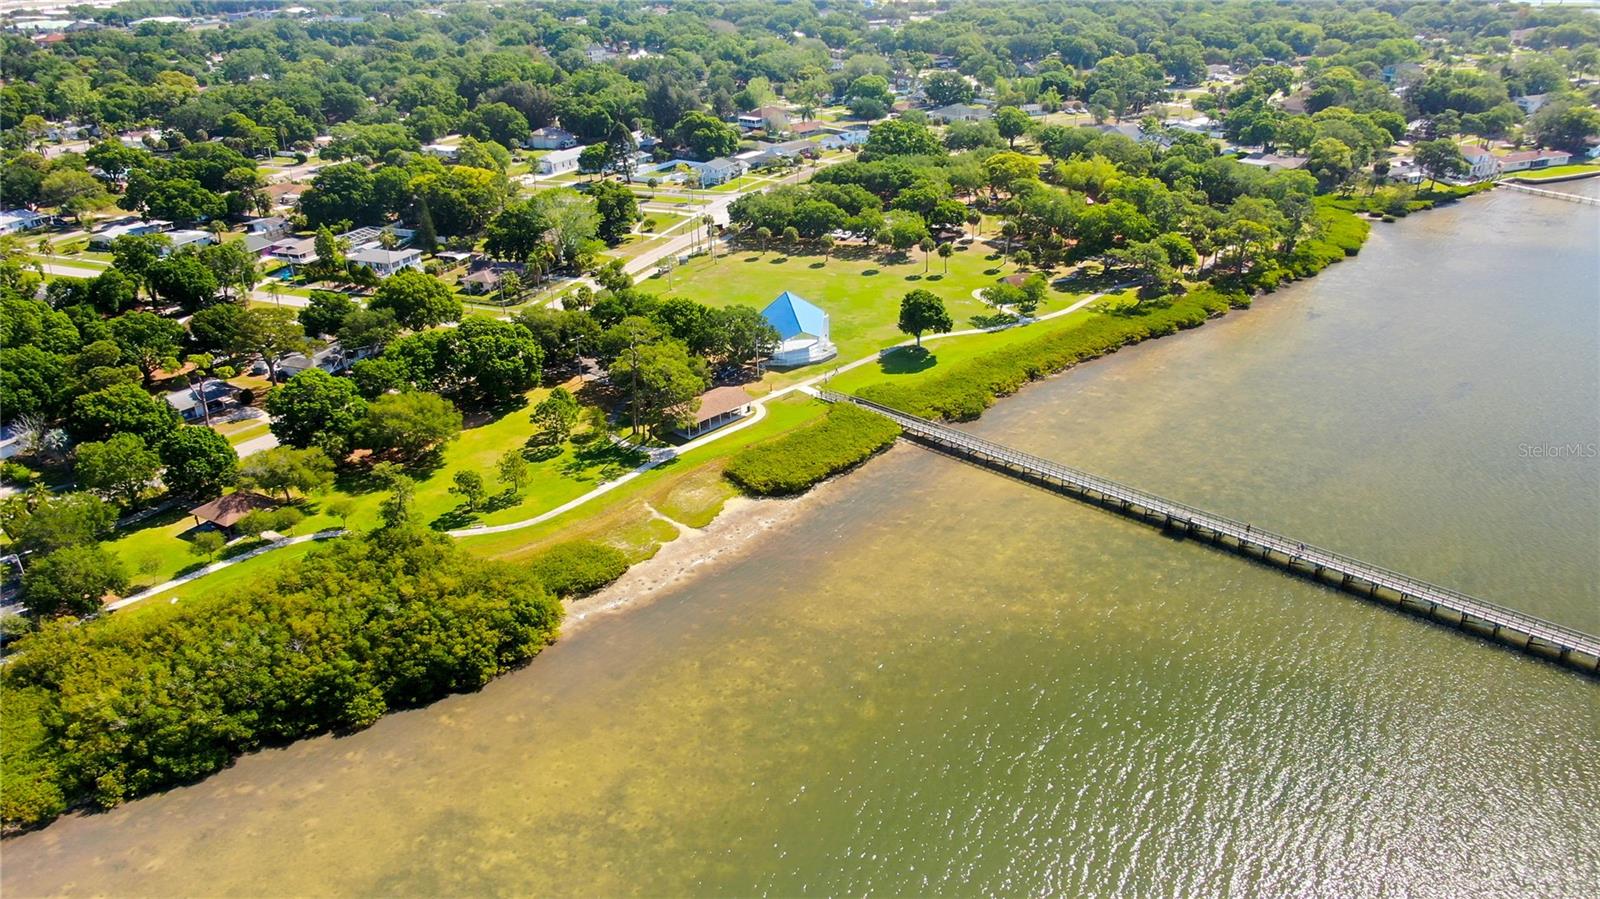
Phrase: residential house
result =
(960, 112)
(851, 136)
(598, 54)
(386, 262)
(803, 129)
(211, 394)
(487, 278)
(551, 138)
(294, 250)
(719, 171)
(1480, 162)
(186, 237)
(272, 224)
(331, 358)
(1528, 160)
(446, 152)
(557, 162)
(718, 407)
(102, 239)
(16, 221)
(1273, 161)
(1531, 103)
(771, 118)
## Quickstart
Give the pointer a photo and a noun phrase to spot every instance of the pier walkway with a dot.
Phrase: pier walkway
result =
(1552, 194)
(1532, 635)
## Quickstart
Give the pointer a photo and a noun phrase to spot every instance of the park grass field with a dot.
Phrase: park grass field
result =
(158, 550)
(860, 291)
(1559, 171)
(907, 365)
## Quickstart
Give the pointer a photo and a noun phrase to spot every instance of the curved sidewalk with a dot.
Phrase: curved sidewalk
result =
(657, 458)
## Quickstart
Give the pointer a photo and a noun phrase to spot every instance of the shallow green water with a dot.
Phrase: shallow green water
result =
(939, 681)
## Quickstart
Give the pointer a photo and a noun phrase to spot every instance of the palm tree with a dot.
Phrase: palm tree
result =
(763, 234)
(944, 253)
(826, 243)
(975, 219)
(926, 245)
(1008, 231)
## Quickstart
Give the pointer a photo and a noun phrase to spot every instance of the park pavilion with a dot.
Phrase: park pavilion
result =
(802, 332)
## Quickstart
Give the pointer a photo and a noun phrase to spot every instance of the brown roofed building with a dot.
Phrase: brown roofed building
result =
(227, 511)
(718, 406)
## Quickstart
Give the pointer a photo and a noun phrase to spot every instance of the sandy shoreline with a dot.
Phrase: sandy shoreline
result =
(742, 525)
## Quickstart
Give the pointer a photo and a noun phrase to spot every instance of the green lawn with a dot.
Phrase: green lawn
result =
(905, 364)
(689, 489)
(157, 551)
(1559, 171)
(860, 292)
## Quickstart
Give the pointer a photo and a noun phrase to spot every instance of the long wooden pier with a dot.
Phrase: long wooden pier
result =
(1552, 194)
(1527, 633)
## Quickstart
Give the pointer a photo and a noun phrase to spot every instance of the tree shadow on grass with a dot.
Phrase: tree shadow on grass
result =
(601, 460)
(869, 273)
(459, 517)
(817, 265)
(906, 360)
(535, 451)
(991, 319)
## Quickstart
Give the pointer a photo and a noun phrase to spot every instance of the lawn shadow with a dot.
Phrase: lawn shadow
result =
(459, 517)
(601, 460)
(869, 273)
(906, 360)
(991, 319)
(535, 451)
(913, 277)
(817, 265)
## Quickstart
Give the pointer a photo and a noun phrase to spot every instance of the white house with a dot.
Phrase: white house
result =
(331, 359)
(551, 138)
(190, 236)
(960, 112)
(272, 224)
(558, 161)
(1481, 163)
(719, 171)
(447, 152)
(387, 262)
(851, 136)
(1528, 160)
(106, 235)
(294, 250)
(802, 328)
(719, 406)
(16, 221)
(1531, 103)
(772, 118)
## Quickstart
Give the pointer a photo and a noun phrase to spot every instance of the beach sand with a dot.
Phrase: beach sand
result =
(740, 527)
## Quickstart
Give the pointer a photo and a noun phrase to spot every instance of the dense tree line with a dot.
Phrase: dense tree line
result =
(106, 712)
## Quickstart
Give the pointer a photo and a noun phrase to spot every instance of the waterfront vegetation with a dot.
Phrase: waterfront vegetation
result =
(961, 392)
(460, 419)
(797, 461)
(141, 702)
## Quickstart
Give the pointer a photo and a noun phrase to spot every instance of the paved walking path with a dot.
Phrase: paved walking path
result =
(658, 457)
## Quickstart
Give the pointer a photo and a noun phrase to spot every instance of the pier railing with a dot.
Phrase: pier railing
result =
(1570, 646)
(1552, 194)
